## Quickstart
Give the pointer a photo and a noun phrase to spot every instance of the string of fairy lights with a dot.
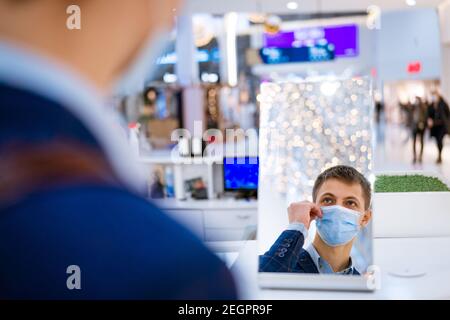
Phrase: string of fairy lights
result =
(308, 127)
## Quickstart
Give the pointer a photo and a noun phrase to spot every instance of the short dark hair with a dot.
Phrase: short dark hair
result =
(348, 175)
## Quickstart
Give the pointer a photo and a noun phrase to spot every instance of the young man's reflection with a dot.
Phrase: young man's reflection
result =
(341, 208)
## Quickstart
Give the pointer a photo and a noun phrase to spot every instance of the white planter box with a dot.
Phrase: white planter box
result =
(411, 214)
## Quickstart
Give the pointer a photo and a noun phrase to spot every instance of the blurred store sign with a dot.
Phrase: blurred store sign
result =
(302, 54)
(414, 67)
(202, 55)
(344, 38)
(373, 72)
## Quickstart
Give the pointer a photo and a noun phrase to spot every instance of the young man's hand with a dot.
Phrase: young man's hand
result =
(303, 212)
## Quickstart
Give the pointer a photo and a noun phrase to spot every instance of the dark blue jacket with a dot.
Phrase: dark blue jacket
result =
(125, 247)
(287, 255)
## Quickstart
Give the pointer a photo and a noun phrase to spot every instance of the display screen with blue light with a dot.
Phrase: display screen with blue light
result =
(240, 173)
(202, 55)
(303, 54)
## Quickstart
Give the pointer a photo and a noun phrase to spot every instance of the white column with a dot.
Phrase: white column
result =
(445, 80)
(193, 107)
(187, 73)
(187, 65)
(222, 43)
(228, 53)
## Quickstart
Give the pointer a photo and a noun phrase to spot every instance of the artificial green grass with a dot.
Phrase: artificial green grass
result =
(409, 183)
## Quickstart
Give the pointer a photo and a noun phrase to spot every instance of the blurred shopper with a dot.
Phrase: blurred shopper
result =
(439, 121)
(419, 113)
(403, 112)
(72, 222)
(379, 108)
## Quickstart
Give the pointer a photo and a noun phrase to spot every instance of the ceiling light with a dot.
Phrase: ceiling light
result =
(292, 5)
(203, 28)
(257, 17)
(411, 2)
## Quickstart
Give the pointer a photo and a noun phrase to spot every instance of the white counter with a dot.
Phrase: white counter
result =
(222, 204)
(431, 255)
(214, 220)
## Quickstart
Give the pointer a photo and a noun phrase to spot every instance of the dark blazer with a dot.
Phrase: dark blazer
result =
(287, 255)
(50, 219)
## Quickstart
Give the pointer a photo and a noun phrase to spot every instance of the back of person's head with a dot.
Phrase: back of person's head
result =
(348, 175)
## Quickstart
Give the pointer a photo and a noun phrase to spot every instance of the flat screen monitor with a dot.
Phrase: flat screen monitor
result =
(344, 39)
(240, 173)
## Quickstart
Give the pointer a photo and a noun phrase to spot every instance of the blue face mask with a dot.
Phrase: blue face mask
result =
(338, 225)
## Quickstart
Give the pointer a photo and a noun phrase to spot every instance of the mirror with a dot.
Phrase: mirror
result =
(315, 179)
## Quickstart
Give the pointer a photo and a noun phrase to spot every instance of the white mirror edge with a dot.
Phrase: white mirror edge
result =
(277, 280)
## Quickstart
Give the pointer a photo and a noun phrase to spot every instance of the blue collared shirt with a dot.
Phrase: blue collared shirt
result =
(24, 69)
(321, 264)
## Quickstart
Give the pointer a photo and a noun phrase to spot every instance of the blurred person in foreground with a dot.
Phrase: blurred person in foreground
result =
(72, 222)
(439, 121)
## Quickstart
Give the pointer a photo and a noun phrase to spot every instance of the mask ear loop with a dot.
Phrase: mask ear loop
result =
(368, 208)
(316, 218)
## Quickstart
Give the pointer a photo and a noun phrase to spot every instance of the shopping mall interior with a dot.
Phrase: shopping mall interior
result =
(234, 66)
(219, 54)
(209, 80)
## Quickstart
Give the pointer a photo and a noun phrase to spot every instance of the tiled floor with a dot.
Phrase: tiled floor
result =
(393, 151)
